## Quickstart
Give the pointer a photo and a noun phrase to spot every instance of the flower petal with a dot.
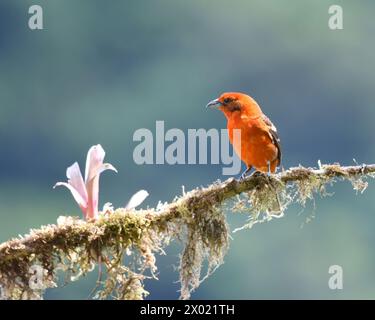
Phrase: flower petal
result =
(136, 199)
(94, 161)
(106, 166)
(92, 187)
(76, 195)
(75, 179)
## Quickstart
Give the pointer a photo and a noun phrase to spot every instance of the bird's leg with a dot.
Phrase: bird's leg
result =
(244, 174)
(269, 168)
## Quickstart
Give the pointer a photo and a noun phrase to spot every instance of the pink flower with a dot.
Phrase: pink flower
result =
(86, 193)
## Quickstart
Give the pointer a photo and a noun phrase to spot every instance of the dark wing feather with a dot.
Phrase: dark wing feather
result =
(273, 135)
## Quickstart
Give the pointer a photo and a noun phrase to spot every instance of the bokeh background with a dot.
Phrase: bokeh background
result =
(100, 70)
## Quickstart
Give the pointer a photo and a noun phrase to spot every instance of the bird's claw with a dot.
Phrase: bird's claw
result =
(253, 174)
(243, 176)
(257, 174)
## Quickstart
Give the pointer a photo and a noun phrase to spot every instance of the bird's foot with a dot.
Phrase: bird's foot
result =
(257, 174)
(243, 176)
(245, 173)
(254, 174)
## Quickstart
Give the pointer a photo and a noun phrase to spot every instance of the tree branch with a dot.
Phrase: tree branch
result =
(125, 242)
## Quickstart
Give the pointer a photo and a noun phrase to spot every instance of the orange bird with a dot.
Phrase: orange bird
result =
(259, 146)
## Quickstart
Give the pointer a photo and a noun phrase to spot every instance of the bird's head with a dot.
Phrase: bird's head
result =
(235, 102)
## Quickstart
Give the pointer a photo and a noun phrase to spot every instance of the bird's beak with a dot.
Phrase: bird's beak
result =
(214, 104)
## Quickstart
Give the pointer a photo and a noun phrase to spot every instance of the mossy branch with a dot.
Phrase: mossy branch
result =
(125, 242)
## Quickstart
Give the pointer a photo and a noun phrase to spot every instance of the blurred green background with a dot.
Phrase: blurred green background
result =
(102, 69)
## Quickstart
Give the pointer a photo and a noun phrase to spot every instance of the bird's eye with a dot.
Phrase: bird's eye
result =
(227, 100)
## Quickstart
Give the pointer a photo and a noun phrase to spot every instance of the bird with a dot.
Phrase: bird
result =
(259, 146)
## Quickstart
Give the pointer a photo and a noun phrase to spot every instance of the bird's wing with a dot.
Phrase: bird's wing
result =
(272, 131)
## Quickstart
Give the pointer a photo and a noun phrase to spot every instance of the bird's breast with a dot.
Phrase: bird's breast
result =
(254, 146)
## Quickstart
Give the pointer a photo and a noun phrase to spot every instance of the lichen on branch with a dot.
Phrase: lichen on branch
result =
(124, 243)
